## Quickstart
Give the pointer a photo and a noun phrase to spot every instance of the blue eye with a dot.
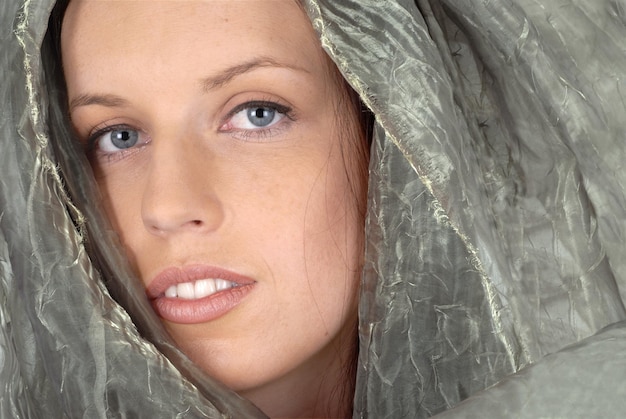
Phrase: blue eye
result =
(256, 117)
(123, 138)
(115, 139)
(261, 116)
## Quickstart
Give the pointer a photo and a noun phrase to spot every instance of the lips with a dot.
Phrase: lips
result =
(197, 294)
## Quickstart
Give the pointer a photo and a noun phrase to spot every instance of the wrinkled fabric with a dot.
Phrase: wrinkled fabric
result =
(494, 282)
(497, 199)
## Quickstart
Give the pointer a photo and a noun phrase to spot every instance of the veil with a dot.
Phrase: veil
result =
(494, 282)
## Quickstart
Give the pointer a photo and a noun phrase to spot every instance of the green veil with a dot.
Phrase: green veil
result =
(495, 278)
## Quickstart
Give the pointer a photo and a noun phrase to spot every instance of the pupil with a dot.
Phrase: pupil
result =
(260, 113)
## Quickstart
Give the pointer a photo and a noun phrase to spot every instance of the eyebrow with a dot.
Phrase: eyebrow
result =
(110, 101)
(209, 83)
(225, 76)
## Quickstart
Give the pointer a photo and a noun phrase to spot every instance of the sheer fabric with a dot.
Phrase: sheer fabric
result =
(497, 211)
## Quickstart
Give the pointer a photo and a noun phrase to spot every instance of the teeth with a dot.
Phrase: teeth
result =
(222, 284)
(186, 291)
(171, 292)
(204, 287)
(199, 289)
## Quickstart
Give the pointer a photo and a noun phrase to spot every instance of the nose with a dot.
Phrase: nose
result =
(179, 194)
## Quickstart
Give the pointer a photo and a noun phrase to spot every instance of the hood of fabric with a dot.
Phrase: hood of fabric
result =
(496, 192)
(496, 217)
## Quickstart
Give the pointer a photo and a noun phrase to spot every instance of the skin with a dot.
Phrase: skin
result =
(201, 186)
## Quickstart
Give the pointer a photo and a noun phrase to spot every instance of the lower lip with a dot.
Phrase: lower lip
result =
(179, 310)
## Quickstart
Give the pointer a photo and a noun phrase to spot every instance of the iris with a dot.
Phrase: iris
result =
(124, 138)
(261, 117)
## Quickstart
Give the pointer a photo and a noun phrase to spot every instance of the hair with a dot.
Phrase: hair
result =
(354, 127)
(356, 134)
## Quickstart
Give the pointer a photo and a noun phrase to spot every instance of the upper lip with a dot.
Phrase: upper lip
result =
(177, 275)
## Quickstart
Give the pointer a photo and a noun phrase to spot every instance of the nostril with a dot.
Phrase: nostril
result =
(196, 222)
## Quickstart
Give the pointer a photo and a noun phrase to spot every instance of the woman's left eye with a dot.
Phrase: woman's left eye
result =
(255, 116)
(258, 117)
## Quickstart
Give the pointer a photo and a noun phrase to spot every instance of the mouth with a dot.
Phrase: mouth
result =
(197, 294)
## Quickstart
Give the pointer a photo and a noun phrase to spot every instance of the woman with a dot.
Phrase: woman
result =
(487, 240)
(232, 165)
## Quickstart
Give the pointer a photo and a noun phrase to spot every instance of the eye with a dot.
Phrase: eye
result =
(261, 116)
(114, 139)
(255, 116)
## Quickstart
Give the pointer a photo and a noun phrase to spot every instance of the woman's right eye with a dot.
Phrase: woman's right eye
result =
(114, 140)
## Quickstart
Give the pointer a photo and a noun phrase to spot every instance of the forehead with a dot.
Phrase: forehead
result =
(164, 36)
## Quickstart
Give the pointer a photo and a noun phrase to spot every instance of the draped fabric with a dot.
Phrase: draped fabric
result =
(494, 272)
(496, 192)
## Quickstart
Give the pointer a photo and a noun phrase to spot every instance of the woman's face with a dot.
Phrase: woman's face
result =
(216, 135)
